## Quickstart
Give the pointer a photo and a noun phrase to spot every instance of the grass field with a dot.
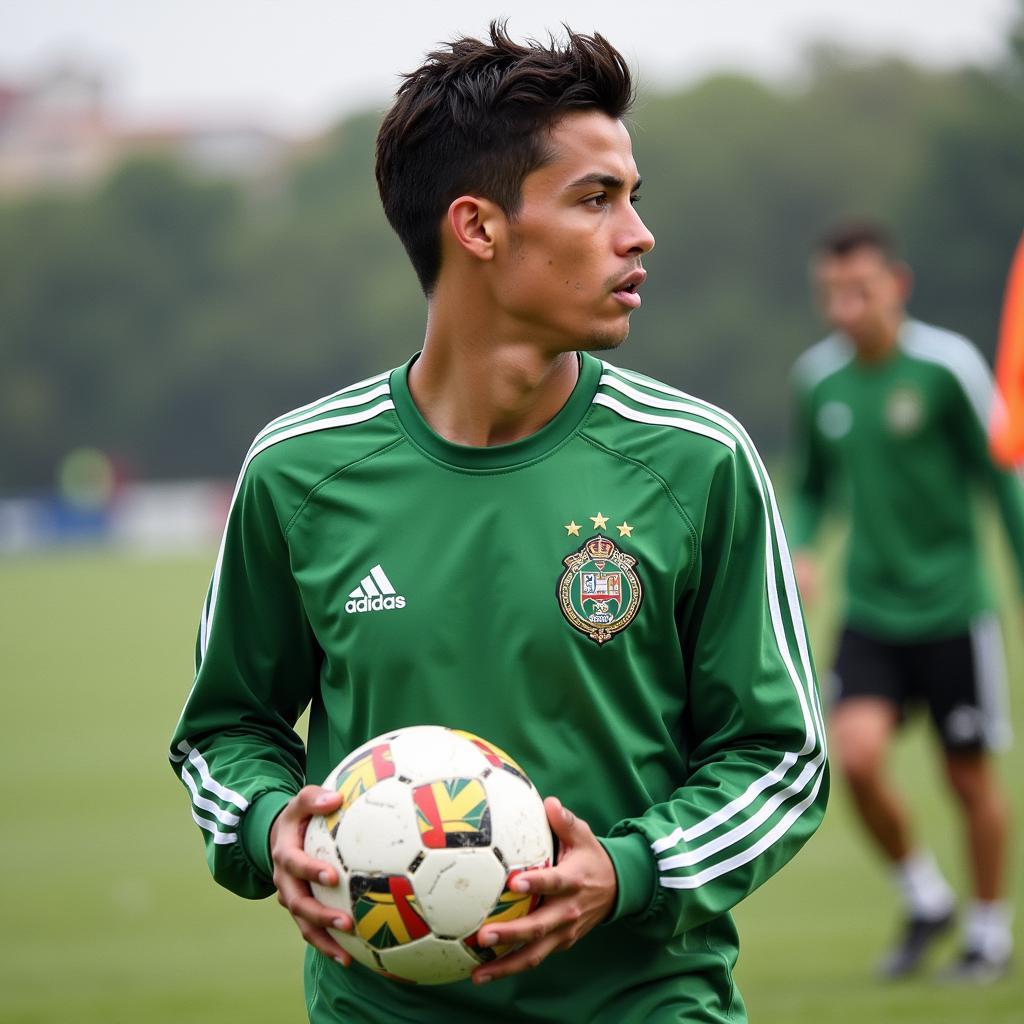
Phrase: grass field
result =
(107, 913)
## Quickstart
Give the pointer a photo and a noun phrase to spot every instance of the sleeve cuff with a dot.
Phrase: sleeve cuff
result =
(256, 825)
(634, 872)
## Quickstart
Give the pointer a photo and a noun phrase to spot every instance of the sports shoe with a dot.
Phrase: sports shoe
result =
(974, 967)
(919, 933)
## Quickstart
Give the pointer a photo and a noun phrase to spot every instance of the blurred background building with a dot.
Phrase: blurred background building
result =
(57, 130)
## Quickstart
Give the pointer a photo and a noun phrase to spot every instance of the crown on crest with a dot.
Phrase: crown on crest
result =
(600, 548)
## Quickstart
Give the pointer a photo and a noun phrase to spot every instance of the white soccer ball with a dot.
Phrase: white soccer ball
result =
(435, 824)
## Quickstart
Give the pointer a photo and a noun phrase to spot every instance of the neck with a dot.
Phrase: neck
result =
(875, 347)
(479, 384)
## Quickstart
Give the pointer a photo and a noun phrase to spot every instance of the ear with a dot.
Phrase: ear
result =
(475, 224)
(905, 278)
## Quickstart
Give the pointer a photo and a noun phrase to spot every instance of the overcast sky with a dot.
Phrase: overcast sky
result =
(296, 64)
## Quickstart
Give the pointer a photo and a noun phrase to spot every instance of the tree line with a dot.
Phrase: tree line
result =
(165, 318)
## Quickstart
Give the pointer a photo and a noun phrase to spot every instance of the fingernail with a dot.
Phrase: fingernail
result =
(322, 801)
(338, 960)
(338, 924)
(324, 877)
(483, 979)
(488, 939)
(520, 885)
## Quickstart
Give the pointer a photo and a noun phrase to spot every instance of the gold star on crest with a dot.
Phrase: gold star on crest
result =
(600, 522)
(625, 530)
(572, 528)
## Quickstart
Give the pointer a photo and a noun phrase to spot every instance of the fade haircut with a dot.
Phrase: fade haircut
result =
(848, 236)
(475, 119)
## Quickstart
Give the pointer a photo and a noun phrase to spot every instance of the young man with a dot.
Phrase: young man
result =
(676, 715)
(894, 413)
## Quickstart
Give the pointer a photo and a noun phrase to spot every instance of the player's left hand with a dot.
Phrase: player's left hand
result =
(579, 892)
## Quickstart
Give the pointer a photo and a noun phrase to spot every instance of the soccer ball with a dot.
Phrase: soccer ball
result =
(434, 826)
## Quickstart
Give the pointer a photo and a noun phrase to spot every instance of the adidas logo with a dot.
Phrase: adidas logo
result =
(374, 594)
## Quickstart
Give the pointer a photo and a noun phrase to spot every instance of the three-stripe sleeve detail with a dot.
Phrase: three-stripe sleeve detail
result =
(756, 819)
(216, 808)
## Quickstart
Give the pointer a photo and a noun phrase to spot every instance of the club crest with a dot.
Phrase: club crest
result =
(904, 411)
(599, 592)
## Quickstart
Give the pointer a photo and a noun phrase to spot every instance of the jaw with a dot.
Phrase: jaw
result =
(605, 340)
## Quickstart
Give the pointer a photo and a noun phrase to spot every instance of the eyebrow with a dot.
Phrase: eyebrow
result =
(604, 180)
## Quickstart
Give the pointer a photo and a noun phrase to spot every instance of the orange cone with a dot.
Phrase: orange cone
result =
(1006, 433)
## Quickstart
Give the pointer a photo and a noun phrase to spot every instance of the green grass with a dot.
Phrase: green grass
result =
(107, 913)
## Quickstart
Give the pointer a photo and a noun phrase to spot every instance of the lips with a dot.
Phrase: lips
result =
(627, 290)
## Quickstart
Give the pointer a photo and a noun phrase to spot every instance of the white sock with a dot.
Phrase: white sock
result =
(987, 929)
(925, 891)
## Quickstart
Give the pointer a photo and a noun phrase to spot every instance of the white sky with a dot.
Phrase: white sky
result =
(296, 64)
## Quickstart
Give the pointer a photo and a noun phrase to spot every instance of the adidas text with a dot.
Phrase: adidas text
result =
(374, 604)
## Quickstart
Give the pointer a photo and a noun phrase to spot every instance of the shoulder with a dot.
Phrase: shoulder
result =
(662, 410)
(938, 345)
(324, 435)
(682, 438)
(955, 357)
(700, 452)
(821, 361)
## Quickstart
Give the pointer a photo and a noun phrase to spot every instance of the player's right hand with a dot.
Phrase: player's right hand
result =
(294, 869)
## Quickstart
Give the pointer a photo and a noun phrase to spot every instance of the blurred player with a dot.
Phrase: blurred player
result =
(590, 564)
(892, 416)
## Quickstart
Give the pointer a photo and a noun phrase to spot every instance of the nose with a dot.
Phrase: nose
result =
(843, 310)
(637, 239)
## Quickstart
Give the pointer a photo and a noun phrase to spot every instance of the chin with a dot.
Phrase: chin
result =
(604, 341)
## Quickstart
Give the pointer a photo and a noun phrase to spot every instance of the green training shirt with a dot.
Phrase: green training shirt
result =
(610, 600)
(902, 444)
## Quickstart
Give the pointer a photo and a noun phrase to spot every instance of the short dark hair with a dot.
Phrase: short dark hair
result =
(847, 236)
(473, 119)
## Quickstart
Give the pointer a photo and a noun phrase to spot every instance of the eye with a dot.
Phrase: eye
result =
(597, 200)
(635, 198)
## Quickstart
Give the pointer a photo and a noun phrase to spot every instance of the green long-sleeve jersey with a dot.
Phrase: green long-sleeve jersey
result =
(902, 445)
(609, 599)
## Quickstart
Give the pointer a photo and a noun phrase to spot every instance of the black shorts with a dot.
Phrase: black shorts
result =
(960, 679)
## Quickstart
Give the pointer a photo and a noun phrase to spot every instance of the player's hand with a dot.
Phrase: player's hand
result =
(808, 577)
(294, 869)
(579, 893)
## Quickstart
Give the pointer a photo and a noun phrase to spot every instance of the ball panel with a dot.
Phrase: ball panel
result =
(509, 906)
(385, 911)
(519, 824)
(363, 769)
(319, 844)
(453, 813)
(425, 753)
(430, 961)
(496, 757)
(359, 950)
(380, 834)
(456, 890)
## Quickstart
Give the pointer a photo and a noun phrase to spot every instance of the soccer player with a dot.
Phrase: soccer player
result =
(511, 536)
(892, 417)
